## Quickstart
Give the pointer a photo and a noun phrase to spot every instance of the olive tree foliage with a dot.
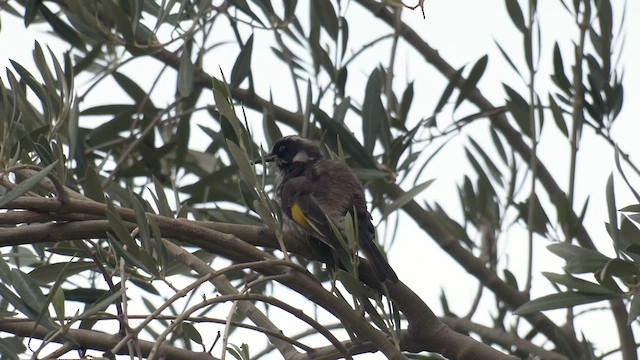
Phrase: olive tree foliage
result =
(134, 222)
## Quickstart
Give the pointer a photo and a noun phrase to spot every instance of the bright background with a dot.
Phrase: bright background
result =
(462, 31)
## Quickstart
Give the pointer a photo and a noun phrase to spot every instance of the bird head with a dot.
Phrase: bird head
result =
(292, 150)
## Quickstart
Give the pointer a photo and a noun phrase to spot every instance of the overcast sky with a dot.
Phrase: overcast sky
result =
(463, 31)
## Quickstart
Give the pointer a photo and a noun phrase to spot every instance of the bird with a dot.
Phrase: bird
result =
(315, 193)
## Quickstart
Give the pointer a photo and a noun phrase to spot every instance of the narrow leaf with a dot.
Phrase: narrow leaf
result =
(186, 70)
(446, 94)
(572, 252)
(130, 87)
(559, 77)
(407, 197)
(48, 273)
(26, 185)
(613, 214)
(559, 301)
(558, 116)
(373, 114)
(327, 17)
(577, 284)
(472, 80)
(242, 66)
(515, 13)
(243, 163)
(191, 332)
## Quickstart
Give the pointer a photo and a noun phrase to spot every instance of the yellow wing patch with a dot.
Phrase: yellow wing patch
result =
(301, 219)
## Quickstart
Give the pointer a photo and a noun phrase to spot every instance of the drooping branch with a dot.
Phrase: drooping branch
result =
(92, 339)
(425, 332)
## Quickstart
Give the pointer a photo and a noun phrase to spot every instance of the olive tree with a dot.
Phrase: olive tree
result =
(134, 223)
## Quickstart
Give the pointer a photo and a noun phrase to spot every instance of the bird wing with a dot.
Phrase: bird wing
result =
(305, 211)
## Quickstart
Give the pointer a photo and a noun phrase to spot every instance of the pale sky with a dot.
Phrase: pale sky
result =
(463, 31)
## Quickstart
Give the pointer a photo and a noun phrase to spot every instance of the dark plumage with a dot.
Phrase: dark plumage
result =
(313, 190)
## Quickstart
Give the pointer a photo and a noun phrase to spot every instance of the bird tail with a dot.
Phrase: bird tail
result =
(379, 263)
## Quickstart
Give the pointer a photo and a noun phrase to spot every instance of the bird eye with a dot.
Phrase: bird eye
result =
(282, 148)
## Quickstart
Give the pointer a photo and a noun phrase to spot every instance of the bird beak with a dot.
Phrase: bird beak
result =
(264, 159)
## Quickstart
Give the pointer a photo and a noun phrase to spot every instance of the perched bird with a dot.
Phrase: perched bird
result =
(315, 192)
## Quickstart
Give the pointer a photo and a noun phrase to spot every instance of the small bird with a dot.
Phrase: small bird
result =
(315, 193)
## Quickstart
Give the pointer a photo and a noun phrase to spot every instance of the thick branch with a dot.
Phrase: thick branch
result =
(425, 333)
(233, 248)
(91, 339)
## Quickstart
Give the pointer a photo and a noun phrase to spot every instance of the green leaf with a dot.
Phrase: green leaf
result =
(26, 185)
(612, 226)
(374, 315)
(559, 301)
(472, 80)
(559, 77)
(191, 332)
(345, 35)
(161, 251)
(446, 94)
(227, 111)
(124, 252)
(141, 219)
(242, 66)
(161, 198)
(498, 144)
(30, 11)
(350, 143)
(493, 169)
(106, 300)
(57, 299)
(244, 166)
(240, 353)
(374, 119)
(515, 13)
(290, 8)
(48, 273)
(577, 284)
(5, 271)
(131, 88)
(327, 17)
(113, 11)
(558, 116)
(243, 6)
(405, 103)
(249, 194)
(11, 347)
(519, 108)
(631, 208)
(579, 260)
(508, 59)
(66, 32)
(571, 252)
(120, 230)
(528, 51)
(511, 279)
(17, 302)
(406, 197)
(352, 284)
(630, 237)
(32, 296)
(186, 70)
(271, 130)
(605, 18)
(83, 295)
(634, 308)
(35, 86)
(619, 268)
